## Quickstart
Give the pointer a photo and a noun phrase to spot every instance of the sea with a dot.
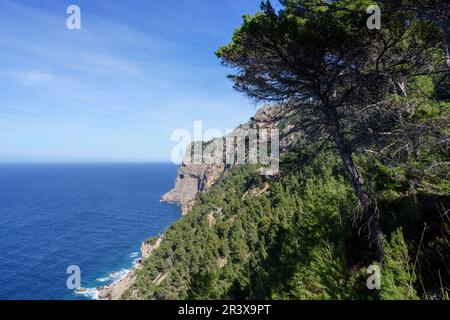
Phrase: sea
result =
(91, 218)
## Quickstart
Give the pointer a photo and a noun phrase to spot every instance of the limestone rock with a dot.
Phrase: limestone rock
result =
(194, 178)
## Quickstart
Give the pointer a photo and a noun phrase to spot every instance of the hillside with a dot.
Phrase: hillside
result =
(291, 238)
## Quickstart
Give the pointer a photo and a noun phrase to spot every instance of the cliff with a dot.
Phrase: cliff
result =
(194, 178)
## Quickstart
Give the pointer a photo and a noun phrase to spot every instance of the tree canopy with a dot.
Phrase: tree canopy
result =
(341, 83)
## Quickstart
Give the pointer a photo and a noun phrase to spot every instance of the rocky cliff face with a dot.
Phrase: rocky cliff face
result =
(191, 179)
(194, 178)
(148, 248)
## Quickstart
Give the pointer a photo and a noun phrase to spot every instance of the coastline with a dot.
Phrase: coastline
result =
(115, 290)
(191, 179)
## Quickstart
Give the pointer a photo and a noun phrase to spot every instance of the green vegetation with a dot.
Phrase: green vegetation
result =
(296, 242)
(367, 185)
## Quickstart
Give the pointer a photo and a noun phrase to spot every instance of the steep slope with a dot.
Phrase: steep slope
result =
(290, 238)
(194, 178)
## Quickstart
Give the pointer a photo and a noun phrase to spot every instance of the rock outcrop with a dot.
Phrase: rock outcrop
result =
(194, 178)
(148, 248)
(116, 290)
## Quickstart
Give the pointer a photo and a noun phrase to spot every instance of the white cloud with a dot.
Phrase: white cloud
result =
(33, 77)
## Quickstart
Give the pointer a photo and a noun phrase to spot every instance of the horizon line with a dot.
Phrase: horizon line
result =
(83, 162)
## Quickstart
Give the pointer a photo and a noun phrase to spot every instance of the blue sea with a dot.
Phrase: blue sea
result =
(94, 216)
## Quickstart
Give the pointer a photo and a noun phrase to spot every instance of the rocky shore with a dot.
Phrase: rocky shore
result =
(115, 290)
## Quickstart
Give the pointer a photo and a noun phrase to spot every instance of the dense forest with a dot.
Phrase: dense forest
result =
(367, 186)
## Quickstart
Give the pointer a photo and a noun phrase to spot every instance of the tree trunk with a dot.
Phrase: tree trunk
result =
(447, 56)
(369, 216)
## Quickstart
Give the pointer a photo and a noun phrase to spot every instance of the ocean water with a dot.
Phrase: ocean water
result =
(93, 216)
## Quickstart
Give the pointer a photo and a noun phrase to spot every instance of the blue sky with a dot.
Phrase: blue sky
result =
(115, 90)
